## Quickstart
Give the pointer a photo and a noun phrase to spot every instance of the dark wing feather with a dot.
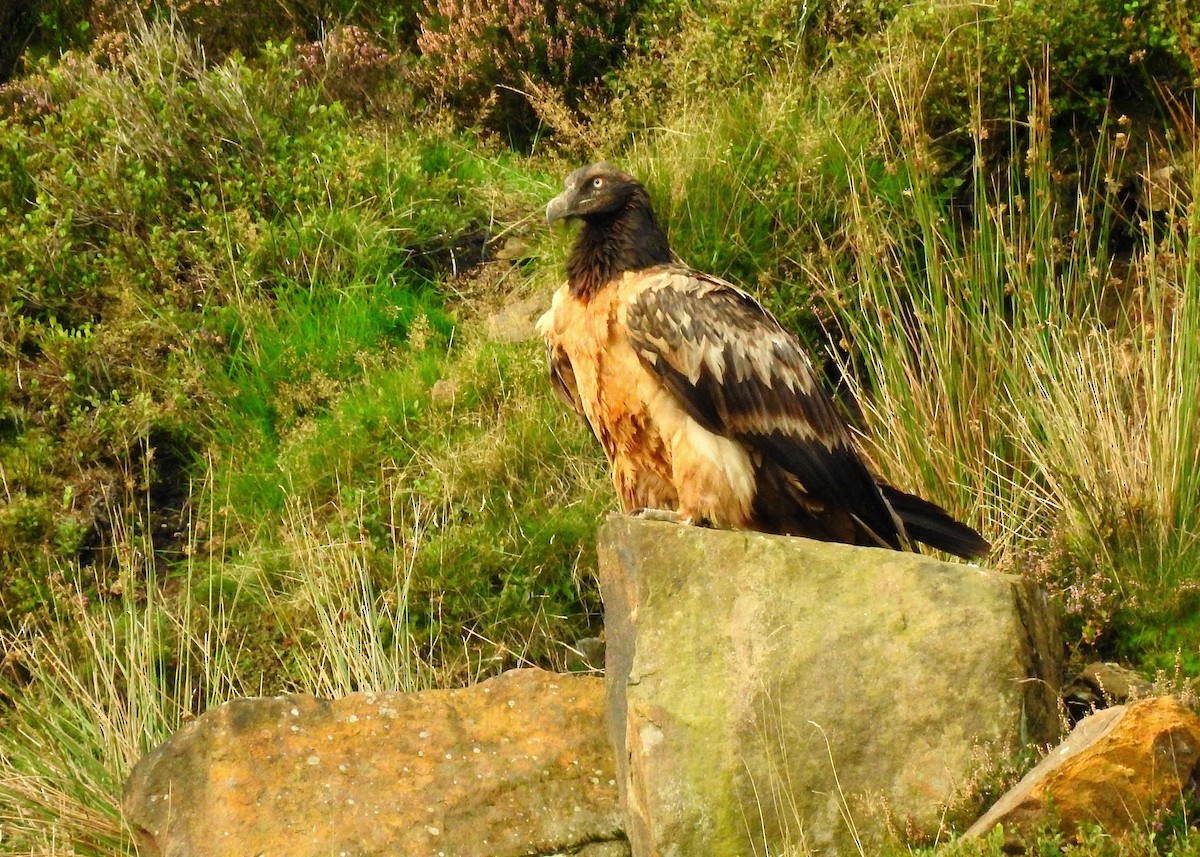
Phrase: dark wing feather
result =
(929, 523)
(562, 378)
(740, 374)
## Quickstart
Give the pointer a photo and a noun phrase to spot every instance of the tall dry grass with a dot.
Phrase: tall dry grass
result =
(92, 704)
(82, 710)
(1030, 360)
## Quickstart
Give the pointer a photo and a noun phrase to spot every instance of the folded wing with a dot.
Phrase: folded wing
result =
(741, 375)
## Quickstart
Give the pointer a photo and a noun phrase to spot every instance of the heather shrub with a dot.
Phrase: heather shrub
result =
(223, 27)
(350, 67)
(478, 56)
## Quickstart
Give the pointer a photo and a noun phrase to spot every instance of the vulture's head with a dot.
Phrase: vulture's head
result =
(594, 192)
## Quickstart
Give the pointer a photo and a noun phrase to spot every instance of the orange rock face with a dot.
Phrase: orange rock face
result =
(1116, 769)
(517, 765)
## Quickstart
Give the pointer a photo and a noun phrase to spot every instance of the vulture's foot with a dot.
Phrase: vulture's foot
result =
(668, 515)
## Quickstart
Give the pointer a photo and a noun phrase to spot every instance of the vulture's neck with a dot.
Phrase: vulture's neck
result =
(608, 246)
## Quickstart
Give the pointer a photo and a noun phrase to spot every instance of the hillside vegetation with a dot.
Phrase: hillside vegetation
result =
(255, 436)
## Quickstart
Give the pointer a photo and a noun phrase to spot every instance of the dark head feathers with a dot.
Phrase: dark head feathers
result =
(620, 232)
(593, 192)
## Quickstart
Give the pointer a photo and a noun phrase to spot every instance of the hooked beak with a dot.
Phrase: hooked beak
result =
(559, 207)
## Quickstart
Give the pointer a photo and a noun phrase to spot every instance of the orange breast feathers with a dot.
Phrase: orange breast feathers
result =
(661, 458)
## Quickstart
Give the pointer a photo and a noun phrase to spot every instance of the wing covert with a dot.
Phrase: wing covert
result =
(740, 374)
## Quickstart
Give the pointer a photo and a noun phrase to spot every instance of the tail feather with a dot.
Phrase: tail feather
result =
(930, 524)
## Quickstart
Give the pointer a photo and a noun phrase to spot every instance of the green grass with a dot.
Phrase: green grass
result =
(200, 259)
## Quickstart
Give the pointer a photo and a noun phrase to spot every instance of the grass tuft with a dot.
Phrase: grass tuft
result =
(1009, 365)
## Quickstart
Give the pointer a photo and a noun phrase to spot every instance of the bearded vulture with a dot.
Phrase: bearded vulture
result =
(708, 410)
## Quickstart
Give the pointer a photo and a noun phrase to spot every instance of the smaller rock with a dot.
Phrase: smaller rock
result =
(1115, 770)
(516, 322)
(517, 765)
(1100, 685)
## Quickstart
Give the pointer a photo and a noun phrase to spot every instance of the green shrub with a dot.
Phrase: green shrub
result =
(970, 68)
(350, 67)
(193, 252)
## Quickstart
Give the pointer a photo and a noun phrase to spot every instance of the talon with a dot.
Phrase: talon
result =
(667, 515)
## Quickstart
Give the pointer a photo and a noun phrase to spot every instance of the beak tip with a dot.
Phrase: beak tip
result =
(556, 210)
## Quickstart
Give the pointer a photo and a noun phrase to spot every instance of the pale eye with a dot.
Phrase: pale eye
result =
(597, 182)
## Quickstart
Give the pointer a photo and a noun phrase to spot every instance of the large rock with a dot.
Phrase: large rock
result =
(518, 765)
(1115, 770)
(769, 693)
